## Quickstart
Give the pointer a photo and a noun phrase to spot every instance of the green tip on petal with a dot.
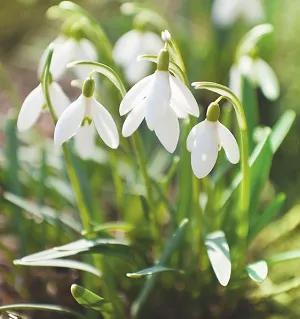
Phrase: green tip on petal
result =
(213, 112)
(88, 87)
(163, 60)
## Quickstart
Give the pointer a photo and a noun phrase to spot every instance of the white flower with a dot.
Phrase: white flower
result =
(35, 102)
(129, 47)
(67, 50)
(161, 99)
(80, 118)
(204, 142)
(226, 12)
(166, 36)
(259, 72)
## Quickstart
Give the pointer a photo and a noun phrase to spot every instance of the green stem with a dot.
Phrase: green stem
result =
(140, 154)
(83, 210)
(117, 180)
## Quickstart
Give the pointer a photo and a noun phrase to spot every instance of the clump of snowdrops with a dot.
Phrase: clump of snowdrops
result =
(178, 237)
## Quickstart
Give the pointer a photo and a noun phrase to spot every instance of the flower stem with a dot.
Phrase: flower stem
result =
(83, 210)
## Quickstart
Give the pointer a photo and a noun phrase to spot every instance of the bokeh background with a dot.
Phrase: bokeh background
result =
(208, 52)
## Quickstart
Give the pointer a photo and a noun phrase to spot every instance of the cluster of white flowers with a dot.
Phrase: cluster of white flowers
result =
(161, 99)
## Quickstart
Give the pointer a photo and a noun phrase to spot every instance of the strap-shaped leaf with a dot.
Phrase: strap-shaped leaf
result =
(102, 69)
(151, 270)
(258, 271)
(174, 68)
(219, 255)
(61, 263)
(87, 299)
(288, 255)
(44, 307)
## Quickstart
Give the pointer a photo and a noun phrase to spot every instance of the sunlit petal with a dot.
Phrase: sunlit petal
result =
(197, 129)
(183, 97)
(133, 94)
(105, 124)
(229, 143)
(205, 151)
(158, 98)
(133, 120)
(266, 79)
(59, 99)
(84, 141)
(225, 12)
(167, 130)
(70, 120)
(31, 109)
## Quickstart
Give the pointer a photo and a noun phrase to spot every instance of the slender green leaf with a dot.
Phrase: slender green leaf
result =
(103, 69)
(87, 299)
(43, 212)
(112, 226)
(61, 263)
(289, 255)
(44, 307)
(151, 270)
(258, 224)
(257, 271)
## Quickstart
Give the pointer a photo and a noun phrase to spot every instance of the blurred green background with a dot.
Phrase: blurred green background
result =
(208, 52)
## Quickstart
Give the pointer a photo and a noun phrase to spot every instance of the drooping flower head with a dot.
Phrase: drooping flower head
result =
(81, 118)
(226, 12)
(205, 141)
(260, 74)
(161, 99)
(35, 103)
(68, 49)
(130, 46)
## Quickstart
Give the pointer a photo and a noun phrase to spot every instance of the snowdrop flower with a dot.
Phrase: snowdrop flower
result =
(259, 72)
(67, 50)
(226, 12)
(206, 139)
(35, 103)
(81, 118)
(129, 47)
(161, 99)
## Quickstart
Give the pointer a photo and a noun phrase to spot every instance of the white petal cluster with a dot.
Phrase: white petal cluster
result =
(161, 99)
(81, 118)
(226, 12)
(204, 142)
(259, 72)
(67, 50)
(129, 47)
(35, 102)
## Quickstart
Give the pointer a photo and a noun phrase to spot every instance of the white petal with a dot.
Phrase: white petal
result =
(31, 109)
(158, 98)
(136, 70)
(127, 47)
(167, 130)
(225, 12)
(253, 11)
(266, 79)
(205, 151)
(197, 129)
(70, 120)
(152, 43)
(85, 141)
(219, 255)
(183, 97)
(246, 68)
(133, 94)
(229, 143)
(180, 113)
(105, 124)
(59, 99)
(134, 120)
(235, 81)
